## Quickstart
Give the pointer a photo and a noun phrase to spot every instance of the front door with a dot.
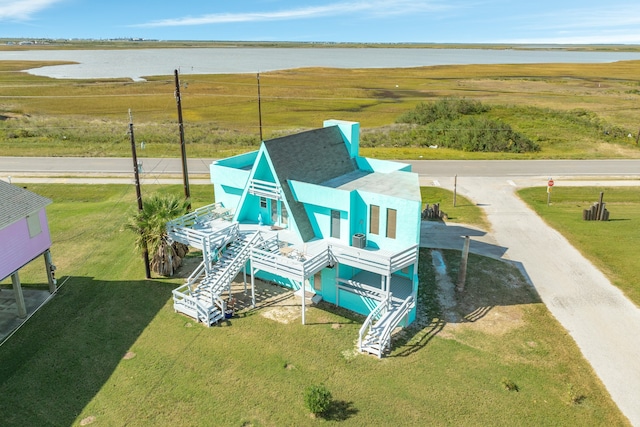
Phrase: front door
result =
(279, 214)
(274, 212)
(284, 214)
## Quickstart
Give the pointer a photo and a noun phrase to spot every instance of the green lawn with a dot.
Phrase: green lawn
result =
(464, 212)
(67, 364)
(612, 246)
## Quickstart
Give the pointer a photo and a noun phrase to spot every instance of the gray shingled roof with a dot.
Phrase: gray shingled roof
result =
(16, 203)
(314, 156)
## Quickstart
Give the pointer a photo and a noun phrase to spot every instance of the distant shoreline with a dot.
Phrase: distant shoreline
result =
(17, 44)
(139, 64)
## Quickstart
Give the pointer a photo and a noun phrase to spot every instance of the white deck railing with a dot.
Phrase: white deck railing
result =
(266, 189)
(188, 220)
(361, 258)
(362, 289)
(404, 258)
(274, 262)
(219, 239)
(185, 303)
(370, 260)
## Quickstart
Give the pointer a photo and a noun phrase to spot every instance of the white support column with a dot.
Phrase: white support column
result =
(253, 288)
(244, 278)
(415, 282)
(51, 277)
(304, 297)
(337, 267)
(17, 291)
(388, 285)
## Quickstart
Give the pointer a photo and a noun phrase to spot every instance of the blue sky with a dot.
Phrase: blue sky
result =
(430, 21)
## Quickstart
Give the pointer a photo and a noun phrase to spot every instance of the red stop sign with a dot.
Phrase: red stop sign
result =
(550, 183)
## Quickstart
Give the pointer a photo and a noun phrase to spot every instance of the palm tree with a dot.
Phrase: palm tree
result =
(149, 224)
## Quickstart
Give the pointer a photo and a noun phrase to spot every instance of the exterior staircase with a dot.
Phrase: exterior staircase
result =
(375, 333)
(201, 297)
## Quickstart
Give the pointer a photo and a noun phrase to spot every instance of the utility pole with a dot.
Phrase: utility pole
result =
(136, 175)
(259, 107)
(183, 148)
(455, 189)
(462, 273)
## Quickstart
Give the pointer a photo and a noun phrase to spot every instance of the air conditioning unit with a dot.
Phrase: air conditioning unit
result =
(359, 240)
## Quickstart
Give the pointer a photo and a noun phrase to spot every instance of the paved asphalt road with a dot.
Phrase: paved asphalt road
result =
(475, 168)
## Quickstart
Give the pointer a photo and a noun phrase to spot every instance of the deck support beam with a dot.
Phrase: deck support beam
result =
(17, 291)
(244, 278)
(304, 297)
(253, 288)
(50, 271)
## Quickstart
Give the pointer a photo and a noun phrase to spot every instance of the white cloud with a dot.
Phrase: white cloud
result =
(335, 9)
(23, 9)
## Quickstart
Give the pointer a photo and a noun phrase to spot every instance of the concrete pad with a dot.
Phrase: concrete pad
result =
(9, 320)
(440, 235)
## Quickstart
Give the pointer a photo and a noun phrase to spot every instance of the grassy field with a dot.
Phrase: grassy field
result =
(611, 246)
(109, 349)
(465, 211)
(571, 110)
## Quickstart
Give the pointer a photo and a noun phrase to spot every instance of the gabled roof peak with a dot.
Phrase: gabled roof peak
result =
(17, 203)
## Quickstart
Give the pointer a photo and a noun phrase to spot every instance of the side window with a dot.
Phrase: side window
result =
(263, 202)
(335, 224)
(33, 223)
(391, 223)
(374, 219)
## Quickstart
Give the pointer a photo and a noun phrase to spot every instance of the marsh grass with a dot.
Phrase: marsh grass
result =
(110, 349)
(221, 111)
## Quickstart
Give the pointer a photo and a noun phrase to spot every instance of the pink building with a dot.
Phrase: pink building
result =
(24, 236)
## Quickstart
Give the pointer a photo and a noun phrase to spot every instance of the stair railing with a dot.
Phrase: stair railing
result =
(230, 271)
(182, 298)
(397, 314)
(375, 314)
(197, 274)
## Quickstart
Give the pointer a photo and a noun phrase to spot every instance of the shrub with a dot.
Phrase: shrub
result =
(485, 135)
(317, 398)
(443, 109)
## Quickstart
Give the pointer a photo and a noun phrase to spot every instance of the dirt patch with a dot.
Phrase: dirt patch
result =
(469, 311)
(87, 421)
(497, 321)
(129, 355)
(282, 314)
(189, 264)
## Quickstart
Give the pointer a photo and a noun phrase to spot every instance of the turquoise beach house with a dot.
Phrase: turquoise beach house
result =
(305, 211)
